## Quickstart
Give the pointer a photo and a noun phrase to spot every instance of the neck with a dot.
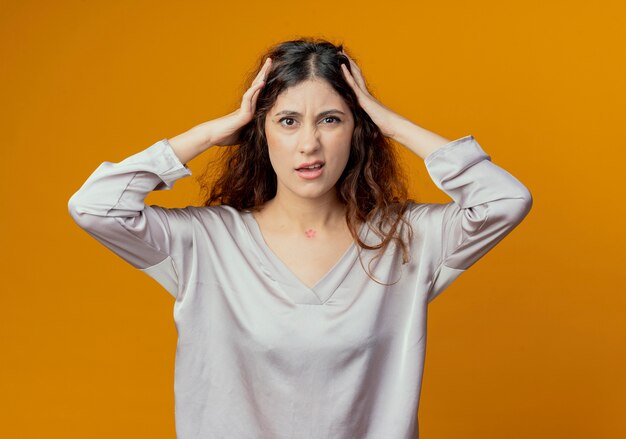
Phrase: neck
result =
(299, 213)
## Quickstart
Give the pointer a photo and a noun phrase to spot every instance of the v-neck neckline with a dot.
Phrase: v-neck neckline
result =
(299, 292)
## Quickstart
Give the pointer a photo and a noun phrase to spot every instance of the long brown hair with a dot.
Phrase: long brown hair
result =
(372, 185)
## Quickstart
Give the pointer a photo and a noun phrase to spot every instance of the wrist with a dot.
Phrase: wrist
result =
(416, 138)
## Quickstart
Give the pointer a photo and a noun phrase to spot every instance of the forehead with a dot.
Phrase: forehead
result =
(312, 93)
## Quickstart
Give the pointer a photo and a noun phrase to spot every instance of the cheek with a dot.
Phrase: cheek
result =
(273, 146)
(276, 155)
(346, 145)
(271, 155)
(346, 136)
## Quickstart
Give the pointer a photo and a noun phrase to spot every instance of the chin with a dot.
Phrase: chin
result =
(315, 194)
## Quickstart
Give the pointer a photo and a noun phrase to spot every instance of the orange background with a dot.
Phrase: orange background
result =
(530, 343)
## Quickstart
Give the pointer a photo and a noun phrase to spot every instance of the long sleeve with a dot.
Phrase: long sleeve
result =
(110, 207)
(488, 203)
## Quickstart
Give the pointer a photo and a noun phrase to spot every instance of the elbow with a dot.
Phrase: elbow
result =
(74, 209)
(524, 205)
(79, 214)
(514, 210)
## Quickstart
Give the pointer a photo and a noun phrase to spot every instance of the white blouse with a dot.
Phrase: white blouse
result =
(261, 355)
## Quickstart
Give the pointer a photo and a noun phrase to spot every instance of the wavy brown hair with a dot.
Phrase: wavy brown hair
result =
(372, 186)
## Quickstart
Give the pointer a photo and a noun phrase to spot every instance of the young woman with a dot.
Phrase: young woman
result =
(281, 333)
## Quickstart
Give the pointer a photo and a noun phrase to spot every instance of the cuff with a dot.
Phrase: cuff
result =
(167, 164)
(453, 158)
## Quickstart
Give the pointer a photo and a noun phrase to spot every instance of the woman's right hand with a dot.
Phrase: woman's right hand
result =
(224, 130)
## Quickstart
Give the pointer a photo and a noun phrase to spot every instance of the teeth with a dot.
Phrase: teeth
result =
(313, 167)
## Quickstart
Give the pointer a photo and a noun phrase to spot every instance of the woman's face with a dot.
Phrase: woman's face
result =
(309, 122)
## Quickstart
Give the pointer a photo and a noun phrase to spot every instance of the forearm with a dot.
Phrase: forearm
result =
(419, 140)
(192, 143)
(119, 189)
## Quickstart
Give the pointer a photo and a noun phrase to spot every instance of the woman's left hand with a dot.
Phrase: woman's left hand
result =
(381, 115)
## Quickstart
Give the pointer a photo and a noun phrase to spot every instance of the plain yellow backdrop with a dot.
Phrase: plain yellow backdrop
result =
(529, 343)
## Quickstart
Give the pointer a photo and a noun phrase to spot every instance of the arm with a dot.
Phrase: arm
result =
(488, 203)
(110, 207)
(110, 204)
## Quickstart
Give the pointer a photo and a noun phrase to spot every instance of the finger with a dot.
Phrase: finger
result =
(359, 80)
(350, 79)
(260, 77)
(262, 73)
(247, 99)
(259, 81)
(353, 64)
(358, 76)
(255, 96)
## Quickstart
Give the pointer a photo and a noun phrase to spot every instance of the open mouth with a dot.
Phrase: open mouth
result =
(311, 168)
(311, 172)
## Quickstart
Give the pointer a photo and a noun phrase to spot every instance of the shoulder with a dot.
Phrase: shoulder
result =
(215, 215)
(215, 210)
(201, 214)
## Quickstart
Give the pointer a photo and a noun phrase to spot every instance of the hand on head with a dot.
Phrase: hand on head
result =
(380, 114)
(225, 130)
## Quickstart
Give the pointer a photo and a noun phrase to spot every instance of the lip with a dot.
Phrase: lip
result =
(304, 165)
(310, 174)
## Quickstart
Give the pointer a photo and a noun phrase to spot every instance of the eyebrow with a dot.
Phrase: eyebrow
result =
(295, 113)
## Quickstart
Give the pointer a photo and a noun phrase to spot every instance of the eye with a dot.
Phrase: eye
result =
(286, 118)
(333, 117)
(280, 121)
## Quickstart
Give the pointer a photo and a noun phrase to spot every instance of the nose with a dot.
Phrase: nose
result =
(309, 141)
